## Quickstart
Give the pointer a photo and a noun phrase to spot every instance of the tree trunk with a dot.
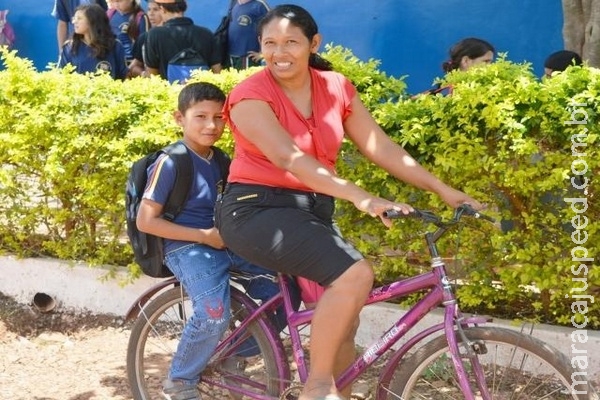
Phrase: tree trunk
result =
(581, 29)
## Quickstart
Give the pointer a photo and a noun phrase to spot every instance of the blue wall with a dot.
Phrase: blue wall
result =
(409, 37)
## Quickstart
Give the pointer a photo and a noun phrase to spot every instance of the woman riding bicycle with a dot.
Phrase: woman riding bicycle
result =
(288, 122)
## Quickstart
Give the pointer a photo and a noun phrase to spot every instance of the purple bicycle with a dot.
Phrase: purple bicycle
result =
(460, 358)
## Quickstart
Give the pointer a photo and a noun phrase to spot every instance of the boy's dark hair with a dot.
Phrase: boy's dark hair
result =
(177, 7)
(199, 91)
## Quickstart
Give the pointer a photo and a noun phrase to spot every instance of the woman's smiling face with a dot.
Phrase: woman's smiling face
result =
(285, 47)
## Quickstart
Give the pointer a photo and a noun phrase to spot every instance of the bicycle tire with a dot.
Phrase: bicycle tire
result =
(516, 366)
(155, 335)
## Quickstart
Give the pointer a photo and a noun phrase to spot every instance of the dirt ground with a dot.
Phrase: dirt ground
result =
(64, 355)
(61, 355)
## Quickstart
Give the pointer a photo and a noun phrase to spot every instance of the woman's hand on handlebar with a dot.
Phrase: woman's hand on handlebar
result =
(455, 198)
(376, 207)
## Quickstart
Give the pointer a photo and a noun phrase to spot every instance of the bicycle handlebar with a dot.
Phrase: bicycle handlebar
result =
(428, 216)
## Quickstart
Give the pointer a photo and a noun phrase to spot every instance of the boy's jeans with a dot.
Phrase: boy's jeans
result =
(203, 272)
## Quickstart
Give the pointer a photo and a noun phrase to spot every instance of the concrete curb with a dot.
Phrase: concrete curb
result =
(72, 285)
(77, 286)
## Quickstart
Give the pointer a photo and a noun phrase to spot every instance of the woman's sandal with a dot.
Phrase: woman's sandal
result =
(296, 389)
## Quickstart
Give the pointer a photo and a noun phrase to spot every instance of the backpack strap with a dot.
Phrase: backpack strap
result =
(223, 161)
(138, 17)
(183, 179)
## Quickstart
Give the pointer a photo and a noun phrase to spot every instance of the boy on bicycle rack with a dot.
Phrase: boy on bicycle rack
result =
(194, 250)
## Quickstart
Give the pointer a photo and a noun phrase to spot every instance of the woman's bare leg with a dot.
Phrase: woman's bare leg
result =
(334, 320)
(346, 355)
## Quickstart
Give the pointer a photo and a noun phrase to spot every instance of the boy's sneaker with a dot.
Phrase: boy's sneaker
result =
(177, 390)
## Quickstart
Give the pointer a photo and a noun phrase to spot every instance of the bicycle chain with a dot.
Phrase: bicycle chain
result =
(291, 393)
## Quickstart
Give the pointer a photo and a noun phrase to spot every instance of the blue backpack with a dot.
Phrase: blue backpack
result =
(181, 65)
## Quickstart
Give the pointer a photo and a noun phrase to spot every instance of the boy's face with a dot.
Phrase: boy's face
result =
(202, 124)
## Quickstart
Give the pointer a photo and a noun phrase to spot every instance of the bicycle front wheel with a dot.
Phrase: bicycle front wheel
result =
(247, 363)
(515, 365)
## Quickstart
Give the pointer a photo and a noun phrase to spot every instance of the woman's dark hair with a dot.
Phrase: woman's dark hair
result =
(102, 40)
(199, 91)
(470, 47)
(302, 19)
(560, 60)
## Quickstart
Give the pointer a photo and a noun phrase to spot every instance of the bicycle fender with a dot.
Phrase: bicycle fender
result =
(141, 301)
(387, 372)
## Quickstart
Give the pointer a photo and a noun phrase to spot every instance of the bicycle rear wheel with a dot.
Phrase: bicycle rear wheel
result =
(155, 335)
(516, 366)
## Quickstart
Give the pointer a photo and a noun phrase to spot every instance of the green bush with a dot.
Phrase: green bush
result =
(67, 140)
(502, 137)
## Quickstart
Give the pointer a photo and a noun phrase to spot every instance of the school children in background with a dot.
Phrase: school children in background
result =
(242, 36)
(468, 53)
(559, 61)
(63, 11)
(154, 14)
(463, 55)
(178, 33)
(128, 21)
(93, 47)
(137, 66)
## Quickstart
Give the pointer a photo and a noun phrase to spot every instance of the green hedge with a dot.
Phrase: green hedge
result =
(67, 140)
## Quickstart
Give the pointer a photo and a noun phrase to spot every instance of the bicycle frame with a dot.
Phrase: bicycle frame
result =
(440, 293)
(451, 355)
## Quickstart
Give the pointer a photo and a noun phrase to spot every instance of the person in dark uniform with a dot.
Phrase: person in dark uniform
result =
(176, 34)
(93, 47)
